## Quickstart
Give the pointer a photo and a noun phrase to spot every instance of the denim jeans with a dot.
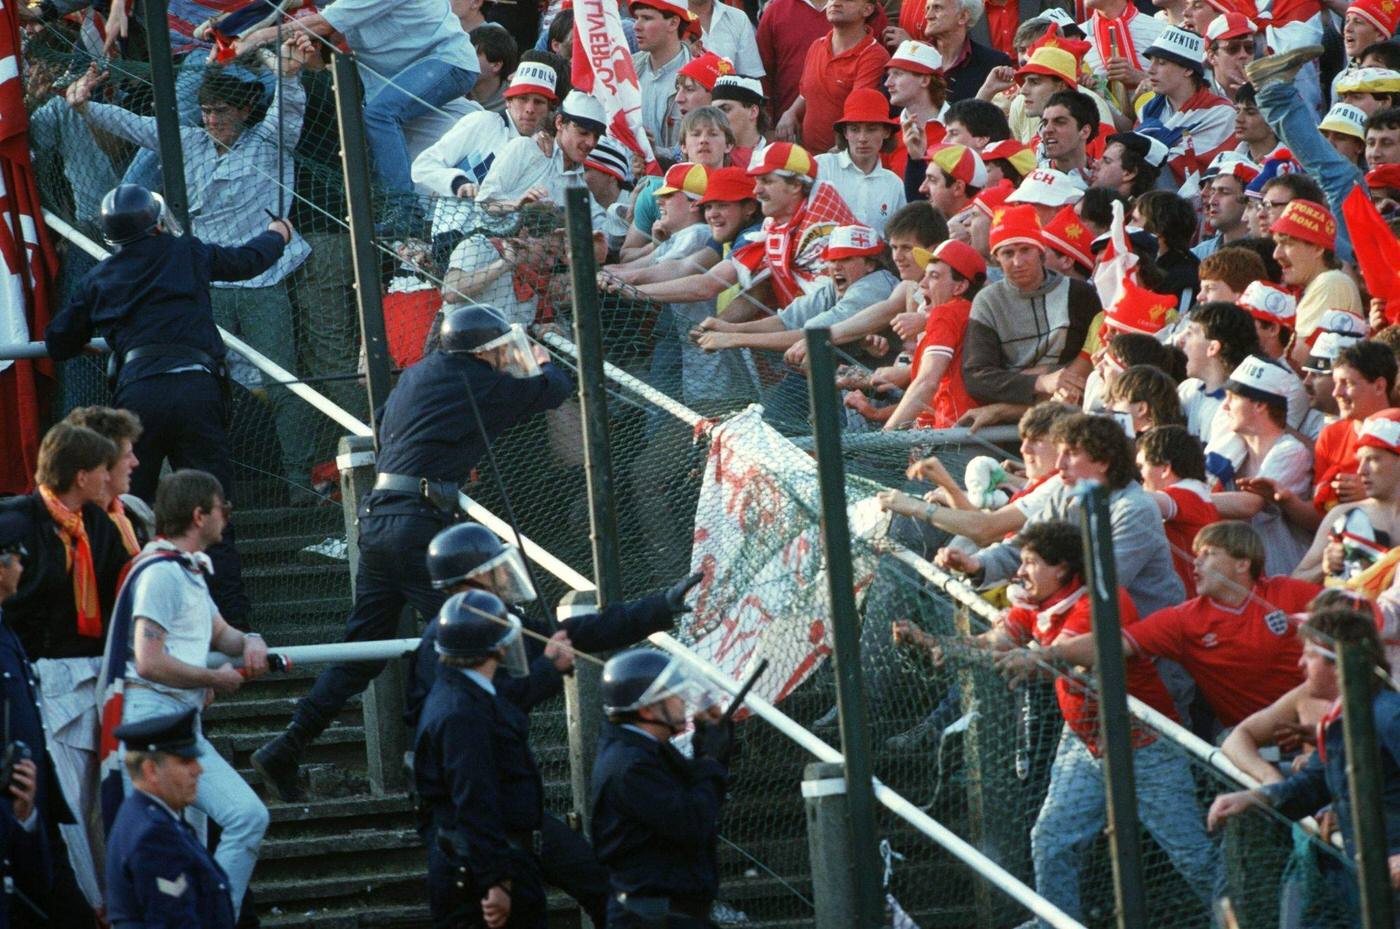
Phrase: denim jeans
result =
(1296, 126)
(1073, 815)
(223, 796)
(406, 96)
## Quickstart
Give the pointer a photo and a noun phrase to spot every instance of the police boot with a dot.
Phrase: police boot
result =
(278, 762)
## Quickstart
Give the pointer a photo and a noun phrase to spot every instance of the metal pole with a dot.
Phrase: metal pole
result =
(824, 793)
(1364, 785)
(369, 297)
(1123, 835)
(845, 629)
(167, 110)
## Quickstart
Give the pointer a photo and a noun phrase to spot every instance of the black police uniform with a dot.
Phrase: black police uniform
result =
(159, 875)
(483, 798)
(655, 825)
(429, 436)
(25, 855)
(567, 860)
(150, 301)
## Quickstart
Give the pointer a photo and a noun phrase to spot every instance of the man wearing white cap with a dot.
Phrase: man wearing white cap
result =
(456, 164)
(1258, 445)
(914, 81)
(1182, 101)
(1230, 46)
(1049, 191)
(522, 172)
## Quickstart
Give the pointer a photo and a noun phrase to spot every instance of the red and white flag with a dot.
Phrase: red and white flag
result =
(602, 66)
(29, 265)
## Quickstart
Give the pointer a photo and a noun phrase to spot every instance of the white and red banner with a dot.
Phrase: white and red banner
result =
(758, 543)
(602, 66)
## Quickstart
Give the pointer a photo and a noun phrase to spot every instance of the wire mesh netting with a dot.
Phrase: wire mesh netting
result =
(991, 762)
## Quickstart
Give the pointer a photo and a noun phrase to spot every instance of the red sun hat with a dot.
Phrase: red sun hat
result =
(728, 185)
(866, 105)
(1309, 222)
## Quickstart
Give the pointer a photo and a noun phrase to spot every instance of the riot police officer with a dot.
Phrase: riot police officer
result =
(150, 301)
(481, 795)
(429, 442)
(468, 556)
(158, 872)
(655, 811)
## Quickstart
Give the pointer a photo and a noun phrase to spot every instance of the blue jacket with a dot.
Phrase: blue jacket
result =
(618, 626)
(427, 428)
(656, 816)
(156, 291)
(25, 856)
(158, 874)
(1318, 784)
(475, 774)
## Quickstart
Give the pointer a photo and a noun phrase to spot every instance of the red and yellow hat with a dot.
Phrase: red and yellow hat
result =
(1054, 55)
(707, 69)
(852, 242)
(866, 105)
(685, 177)
(1068, 235)
(1384, 15)
(727, 185)
(1308, 222)
(786, 157)
(1139, 310)
(1020, 155)
(1015, 225)
(960, 163)
(961, 257)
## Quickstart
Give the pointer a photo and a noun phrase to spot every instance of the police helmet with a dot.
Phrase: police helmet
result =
(468, 328)
(471, 553)
(130, 212)
(642, 677)
(476, 624)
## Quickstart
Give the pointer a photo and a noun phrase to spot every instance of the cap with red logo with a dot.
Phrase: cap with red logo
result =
(1047, 187)
(1307, 222)
(960, 163)
(1068, 235)
(852, 242)
(1230, 26)
(533, 77)
(1261, 380)
(962, 258)
(685, 177)
(1384, 15)
(1381, 430)
(1015, 225)
(1269, 303)
(916, 58)
(1138, 310)
(866, 105)
(728, 185)
(707, 69)
(784, 158)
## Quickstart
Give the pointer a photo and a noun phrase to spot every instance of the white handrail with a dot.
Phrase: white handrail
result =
(677, 409)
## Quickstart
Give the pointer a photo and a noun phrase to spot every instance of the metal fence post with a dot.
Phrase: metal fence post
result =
(869, 909)
(586, 713)
(1364, 785)
(1101, 575)
(833, 886)
(369, 295)
(167, 109)
(386, 738)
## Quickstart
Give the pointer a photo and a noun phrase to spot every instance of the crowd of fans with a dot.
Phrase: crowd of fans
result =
(1158, 240)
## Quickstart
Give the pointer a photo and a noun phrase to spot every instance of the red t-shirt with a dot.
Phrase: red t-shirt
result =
(1002, 19)
(943, 334)
(1069, 614)
(1334, 453)
(1243, 658)
(1194, 511)
(828, 78)
(786, 30)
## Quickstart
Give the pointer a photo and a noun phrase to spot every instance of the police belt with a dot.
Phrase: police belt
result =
(696, 908)
(441, 494)
(453, 843)
(175, 352)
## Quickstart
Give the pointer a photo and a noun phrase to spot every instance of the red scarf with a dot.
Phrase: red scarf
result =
(79, 563)
(1118, 30)
(116, 511)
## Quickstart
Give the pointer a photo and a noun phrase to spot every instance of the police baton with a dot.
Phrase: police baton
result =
(743, 692)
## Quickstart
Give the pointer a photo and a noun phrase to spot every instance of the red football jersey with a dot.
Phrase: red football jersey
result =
(1193, 512)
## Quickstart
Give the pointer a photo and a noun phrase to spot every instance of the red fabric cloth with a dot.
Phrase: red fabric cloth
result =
(786, 248)
(1215, 643)
(1377, 251)
(1002, 20)
(407, 318)
(1334, 453)
(944, 334)
(786, 30)
(1061, 617)
(828, 79)
(911, 18)
(1193, 513)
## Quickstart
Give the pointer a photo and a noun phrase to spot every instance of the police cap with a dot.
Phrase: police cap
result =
(467, 328)
(129, 212)
(172, 734)
(458, 551)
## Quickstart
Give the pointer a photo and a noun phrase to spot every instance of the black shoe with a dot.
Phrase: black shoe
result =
(278, 763)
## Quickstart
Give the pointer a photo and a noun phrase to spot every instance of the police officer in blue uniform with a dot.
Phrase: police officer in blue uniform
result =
(150, 300)
(481, 795)
(159, 875)
(428, 444)
(468, 556)
(655, 811)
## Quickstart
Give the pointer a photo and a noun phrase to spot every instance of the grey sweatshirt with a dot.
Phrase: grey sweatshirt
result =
(1011, 330)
